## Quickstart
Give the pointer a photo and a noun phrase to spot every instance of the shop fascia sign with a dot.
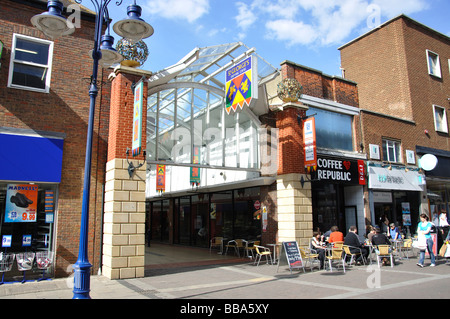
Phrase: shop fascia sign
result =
(241, 84)
(396, 179)
(339, 170)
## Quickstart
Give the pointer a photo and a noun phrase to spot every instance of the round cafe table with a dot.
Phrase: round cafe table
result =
(274, 260)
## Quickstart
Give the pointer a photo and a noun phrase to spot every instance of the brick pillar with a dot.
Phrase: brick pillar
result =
(295, 219)
(124, 220)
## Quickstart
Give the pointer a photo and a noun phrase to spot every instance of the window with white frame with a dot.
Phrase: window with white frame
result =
(434, 65)
(440, 119)
(30, 66)
(392, 151)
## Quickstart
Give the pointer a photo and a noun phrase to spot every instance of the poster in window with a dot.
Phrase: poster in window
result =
(21, 203)
(406, 214)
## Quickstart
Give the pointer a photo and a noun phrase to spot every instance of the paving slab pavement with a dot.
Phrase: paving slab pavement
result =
(243, 281)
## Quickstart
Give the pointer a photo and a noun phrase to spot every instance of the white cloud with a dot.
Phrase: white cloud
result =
(392, 8)
(291, 32)
(245, 17)
(189, 10)
(324, 22)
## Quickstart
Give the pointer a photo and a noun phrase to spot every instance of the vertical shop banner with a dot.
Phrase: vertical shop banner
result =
(21, 203)
(362, 172)
(160, 178)
(195, 171)
(309, 142)
(241, 84)
(137, 118)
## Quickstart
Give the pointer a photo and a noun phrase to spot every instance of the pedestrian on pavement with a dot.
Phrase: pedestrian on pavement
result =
(424, 229)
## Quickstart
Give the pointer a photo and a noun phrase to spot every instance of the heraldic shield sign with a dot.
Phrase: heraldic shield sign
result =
(241, 84)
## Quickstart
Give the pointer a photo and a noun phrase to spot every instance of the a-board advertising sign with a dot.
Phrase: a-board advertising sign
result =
(292, 254)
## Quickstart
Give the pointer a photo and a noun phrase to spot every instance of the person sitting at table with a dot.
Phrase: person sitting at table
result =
(335, 235)
(394, 232)
(318, 247)
(380, 239)
(355, 246)
(372, 231)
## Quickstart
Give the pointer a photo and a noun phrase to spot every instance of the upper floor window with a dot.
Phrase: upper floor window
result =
(30, 66)
(440, 119)
(392, 151)
(434, 65)
(333, 130)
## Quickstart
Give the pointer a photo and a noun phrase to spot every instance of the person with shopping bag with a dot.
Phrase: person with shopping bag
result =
(425, 241)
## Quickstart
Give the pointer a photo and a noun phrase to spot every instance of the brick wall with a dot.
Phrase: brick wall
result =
(316, 84)
(65, 109)
(390, 67)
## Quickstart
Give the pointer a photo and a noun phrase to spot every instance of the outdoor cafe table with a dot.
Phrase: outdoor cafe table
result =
(274, 260)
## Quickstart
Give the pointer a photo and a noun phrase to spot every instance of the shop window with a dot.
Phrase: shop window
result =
(434, 66)
(30, 66)
(440, 119)
(392, 151)
(28, 210)
(333, 130)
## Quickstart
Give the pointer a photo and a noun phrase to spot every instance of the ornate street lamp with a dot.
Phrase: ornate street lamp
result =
(54, 25)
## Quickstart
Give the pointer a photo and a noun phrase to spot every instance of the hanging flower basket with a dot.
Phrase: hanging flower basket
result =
(289, 90)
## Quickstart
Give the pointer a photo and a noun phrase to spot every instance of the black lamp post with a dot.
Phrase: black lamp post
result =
(54, 25)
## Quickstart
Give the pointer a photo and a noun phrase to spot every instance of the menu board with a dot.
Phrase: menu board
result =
(292, 253)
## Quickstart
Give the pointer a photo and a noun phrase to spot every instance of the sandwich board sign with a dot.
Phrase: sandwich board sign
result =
(292, 254)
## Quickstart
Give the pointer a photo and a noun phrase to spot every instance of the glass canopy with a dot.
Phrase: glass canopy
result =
(187, 125)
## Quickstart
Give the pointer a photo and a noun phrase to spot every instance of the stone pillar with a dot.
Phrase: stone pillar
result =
(294, 198)
(124, 219)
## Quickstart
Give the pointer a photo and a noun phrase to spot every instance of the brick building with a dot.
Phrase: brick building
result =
(44, 110)
(332, 200)
(402, 71)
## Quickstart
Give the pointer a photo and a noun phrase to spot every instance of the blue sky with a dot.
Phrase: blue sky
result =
(307, 32)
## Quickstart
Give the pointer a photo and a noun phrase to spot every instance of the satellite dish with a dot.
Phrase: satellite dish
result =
(428, 162)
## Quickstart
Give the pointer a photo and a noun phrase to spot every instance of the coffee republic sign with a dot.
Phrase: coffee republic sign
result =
(338, 170)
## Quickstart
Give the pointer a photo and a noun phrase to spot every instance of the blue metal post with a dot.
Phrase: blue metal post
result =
(82, 267)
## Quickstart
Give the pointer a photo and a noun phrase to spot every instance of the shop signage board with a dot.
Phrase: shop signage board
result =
(395, 179)
(137, 118)
(340, 170)
(292, 254)
(309, 141)
(241, 84)
(21, 203)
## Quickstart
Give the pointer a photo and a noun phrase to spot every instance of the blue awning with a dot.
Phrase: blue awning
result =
(31, 158)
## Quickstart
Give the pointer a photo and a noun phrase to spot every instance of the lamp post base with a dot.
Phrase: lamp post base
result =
(82, 280)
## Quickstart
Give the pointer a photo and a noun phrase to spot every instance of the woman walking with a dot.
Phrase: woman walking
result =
(424, 229)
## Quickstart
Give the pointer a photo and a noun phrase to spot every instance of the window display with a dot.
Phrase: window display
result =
(27, 213)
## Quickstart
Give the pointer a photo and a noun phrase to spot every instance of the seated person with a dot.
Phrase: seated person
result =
(335, 235)
(317, 246)
(355, 246)
(394, 232)
(380, 239)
